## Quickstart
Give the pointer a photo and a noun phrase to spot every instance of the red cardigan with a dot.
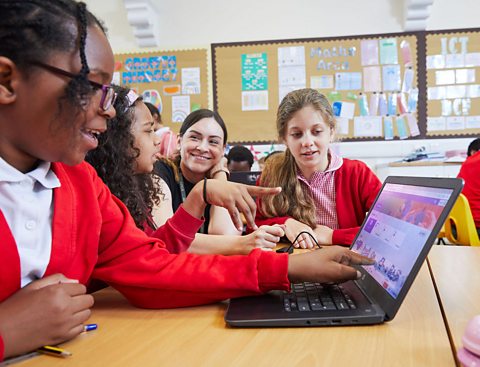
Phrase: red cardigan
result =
(356, 187)
(470, 172)
(93, 236)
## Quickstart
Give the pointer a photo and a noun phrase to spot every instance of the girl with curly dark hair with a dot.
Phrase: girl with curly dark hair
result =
(124, 160)
(125, 156)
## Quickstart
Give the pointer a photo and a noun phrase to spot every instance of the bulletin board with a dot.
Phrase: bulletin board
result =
(453, 83)
(174, 81)
(371, 81)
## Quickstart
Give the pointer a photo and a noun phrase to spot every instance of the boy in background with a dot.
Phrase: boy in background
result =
(239, 159)
(469, 172)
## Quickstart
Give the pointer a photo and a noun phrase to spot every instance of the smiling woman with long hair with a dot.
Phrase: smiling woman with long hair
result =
(202, 139)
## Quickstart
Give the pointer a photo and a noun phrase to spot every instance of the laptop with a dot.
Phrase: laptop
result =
(398, 232)
(247, 177)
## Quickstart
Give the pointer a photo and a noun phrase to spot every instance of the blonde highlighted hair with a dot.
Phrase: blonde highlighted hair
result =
(282, 170)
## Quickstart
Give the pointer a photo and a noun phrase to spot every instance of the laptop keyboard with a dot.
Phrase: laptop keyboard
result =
(317, 297)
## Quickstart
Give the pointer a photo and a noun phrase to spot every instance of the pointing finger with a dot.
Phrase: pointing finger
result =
(263, 191)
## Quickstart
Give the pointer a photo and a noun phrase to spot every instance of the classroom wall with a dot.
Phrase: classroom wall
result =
(198, 23)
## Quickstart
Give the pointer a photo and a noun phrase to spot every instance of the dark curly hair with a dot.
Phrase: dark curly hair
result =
(114, 161)
(31, 30)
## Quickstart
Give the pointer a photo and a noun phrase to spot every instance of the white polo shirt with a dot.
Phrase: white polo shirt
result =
(26, 201)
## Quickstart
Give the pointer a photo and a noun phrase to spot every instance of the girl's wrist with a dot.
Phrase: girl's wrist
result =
(194, 204)
(244, 246)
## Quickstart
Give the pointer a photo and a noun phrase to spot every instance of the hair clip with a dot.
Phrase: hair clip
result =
(132, 98)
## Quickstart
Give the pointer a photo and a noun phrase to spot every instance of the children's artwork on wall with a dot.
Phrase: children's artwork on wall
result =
(254, 72)
(180, 108)
(453, 62)
(368, 126)
(254, 82)
(369, 52)
(171, 80)
(362, 76)
(153, 96)
(388, 51)
(385, 86)
(191, 81)
(291, 70)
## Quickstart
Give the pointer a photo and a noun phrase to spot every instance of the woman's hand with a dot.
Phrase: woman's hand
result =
(329, 264)
(237, 198)
(265, 237)
(292, 229)
(47, 311)
(324, 235)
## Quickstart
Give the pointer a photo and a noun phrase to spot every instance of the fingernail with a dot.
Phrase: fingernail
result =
(359, 275)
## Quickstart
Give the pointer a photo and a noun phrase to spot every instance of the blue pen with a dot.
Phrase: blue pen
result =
(90, 327)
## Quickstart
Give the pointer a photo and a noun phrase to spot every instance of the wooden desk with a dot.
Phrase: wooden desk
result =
(198, 336)
(456, 274)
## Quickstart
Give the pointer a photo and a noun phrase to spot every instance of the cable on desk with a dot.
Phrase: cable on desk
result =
(289, 249)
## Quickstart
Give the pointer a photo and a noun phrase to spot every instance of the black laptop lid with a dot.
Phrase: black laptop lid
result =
(398, 232)
(247, 177)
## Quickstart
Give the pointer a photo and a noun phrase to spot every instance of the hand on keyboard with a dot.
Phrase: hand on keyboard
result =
(330, 264)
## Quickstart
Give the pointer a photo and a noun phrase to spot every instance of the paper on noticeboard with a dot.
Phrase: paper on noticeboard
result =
(391, 78)
(321, 82)
(190, 80)
(342, 125)
(367, 126)
(436, 123)
(388, 51)
(372, 79)
(455, 123)
(255, 100)
(180, 108)
(369, 52)
(291, 70)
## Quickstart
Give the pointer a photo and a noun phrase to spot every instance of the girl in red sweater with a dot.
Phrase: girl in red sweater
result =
(322, 193)
(60, 226)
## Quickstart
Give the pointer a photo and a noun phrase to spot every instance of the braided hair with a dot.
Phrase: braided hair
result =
(114, 161)
(31, 30)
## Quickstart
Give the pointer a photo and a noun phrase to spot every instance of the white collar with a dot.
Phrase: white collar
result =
(42, 174)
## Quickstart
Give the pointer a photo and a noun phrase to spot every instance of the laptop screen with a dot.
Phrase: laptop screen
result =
(397, 229)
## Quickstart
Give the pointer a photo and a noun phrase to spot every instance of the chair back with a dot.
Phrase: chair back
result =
(168, 144)
(464, 232)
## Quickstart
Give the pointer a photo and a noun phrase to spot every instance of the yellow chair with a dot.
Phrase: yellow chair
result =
(441, 236)
(461, 217)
